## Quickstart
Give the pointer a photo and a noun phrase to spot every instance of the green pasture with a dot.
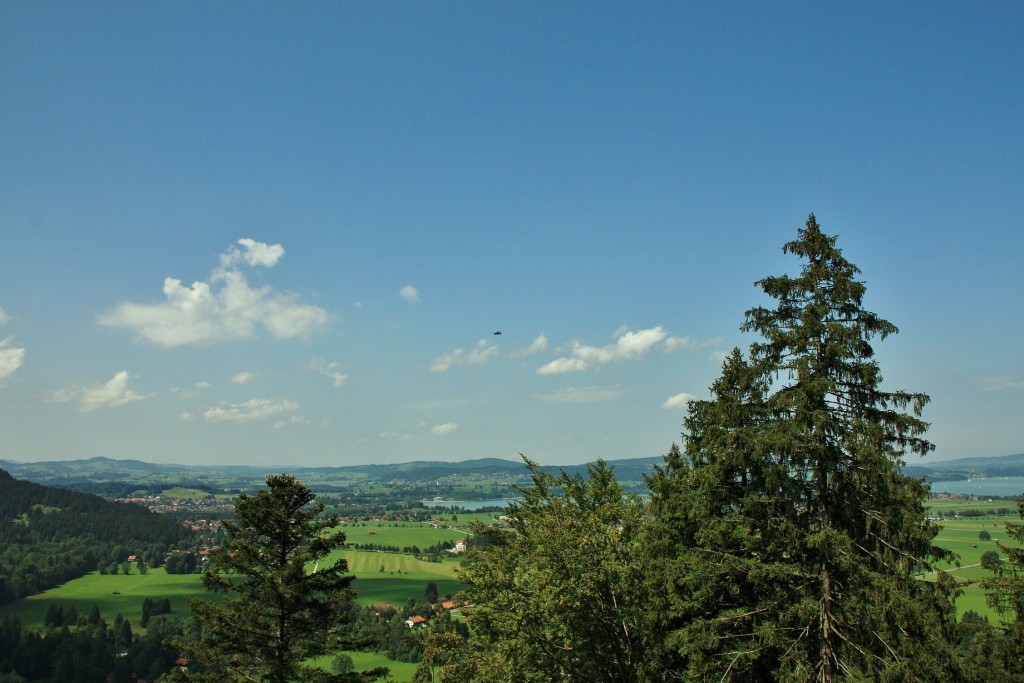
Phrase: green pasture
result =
(961, 535)
(180, 492)
(401, 672)
(400, 534)
(403, 577)
(112, 594)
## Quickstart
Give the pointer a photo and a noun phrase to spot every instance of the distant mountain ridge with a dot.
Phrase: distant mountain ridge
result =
(969, 468)
(100, 469)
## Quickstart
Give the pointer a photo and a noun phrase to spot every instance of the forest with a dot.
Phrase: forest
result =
(52, 535)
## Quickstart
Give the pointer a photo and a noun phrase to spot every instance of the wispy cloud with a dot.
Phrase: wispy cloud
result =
(481, 354)
(409, 293)
(680, 400)
(328, 369)
(1000, 383)
(242, 378)
(419, 431)
(250, 411)
(582, 395)
(110, 394)
(538, 345)
(224, 308)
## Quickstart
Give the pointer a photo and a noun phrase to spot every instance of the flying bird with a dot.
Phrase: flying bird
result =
(498, 332)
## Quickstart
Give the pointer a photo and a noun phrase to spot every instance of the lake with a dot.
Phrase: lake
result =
(993, 486)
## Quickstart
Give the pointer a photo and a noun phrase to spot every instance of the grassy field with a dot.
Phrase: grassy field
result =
(961, 535)
(113, 594)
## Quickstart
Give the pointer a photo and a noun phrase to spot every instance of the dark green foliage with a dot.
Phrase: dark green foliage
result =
(282, 606)
(85, 651)
(786, 542)
(554, 597)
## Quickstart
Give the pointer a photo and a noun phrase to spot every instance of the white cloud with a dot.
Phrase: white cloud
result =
(481, 354)
(11, 357)
(225, 308)
(250, 411)
(330, 370)
(255, 254)
(110, 394)
(443, 429)
(673, 344)
(582, 395)
(560, 366)
(628, 345)
(680, 400)
(242, 377)
(409, 293)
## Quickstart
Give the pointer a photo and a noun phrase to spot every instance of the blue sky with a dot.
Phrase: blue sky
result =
(280, 233)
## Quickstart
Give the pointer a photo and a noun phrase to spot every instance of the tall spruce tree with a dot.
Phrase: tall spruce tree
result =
(787, 544)
(282, 605)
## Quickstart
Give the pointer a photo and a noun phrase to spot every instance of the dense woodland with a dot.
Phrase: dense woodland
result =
(52, 535)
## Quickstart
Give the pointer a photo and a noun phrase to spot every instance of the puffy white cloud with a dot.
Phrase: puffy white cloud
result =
(242, 377)
(560, 366)
(330, 370)
(250, 411)
(481, 354)
(582, 395)
(110, 394)
(629, 345)
(409, 293)
(11, 357)
(225, 308)
(443, 429)
(680, 400)
(254, 254)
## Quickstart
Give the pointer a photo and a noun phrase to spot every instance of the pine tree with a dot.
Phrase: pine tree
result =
(786, 542)
(283, 606)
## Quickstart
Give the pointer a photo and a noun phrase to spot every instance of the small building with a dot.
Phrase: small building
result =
(413, 622)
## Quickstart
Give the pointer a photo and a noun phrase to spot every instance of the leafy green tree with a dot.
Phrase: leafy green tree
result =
(554, 596)
(786, 543)
(282, 605)
(990, 560)
(984, 535)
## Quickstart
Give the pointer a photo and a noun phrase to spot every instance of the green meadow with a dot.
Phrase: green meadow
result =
(961, 535)
(113, 594)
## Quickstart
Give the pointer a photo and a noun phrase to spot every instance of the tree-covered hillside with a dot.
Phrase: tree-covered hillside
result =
(49, 535)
